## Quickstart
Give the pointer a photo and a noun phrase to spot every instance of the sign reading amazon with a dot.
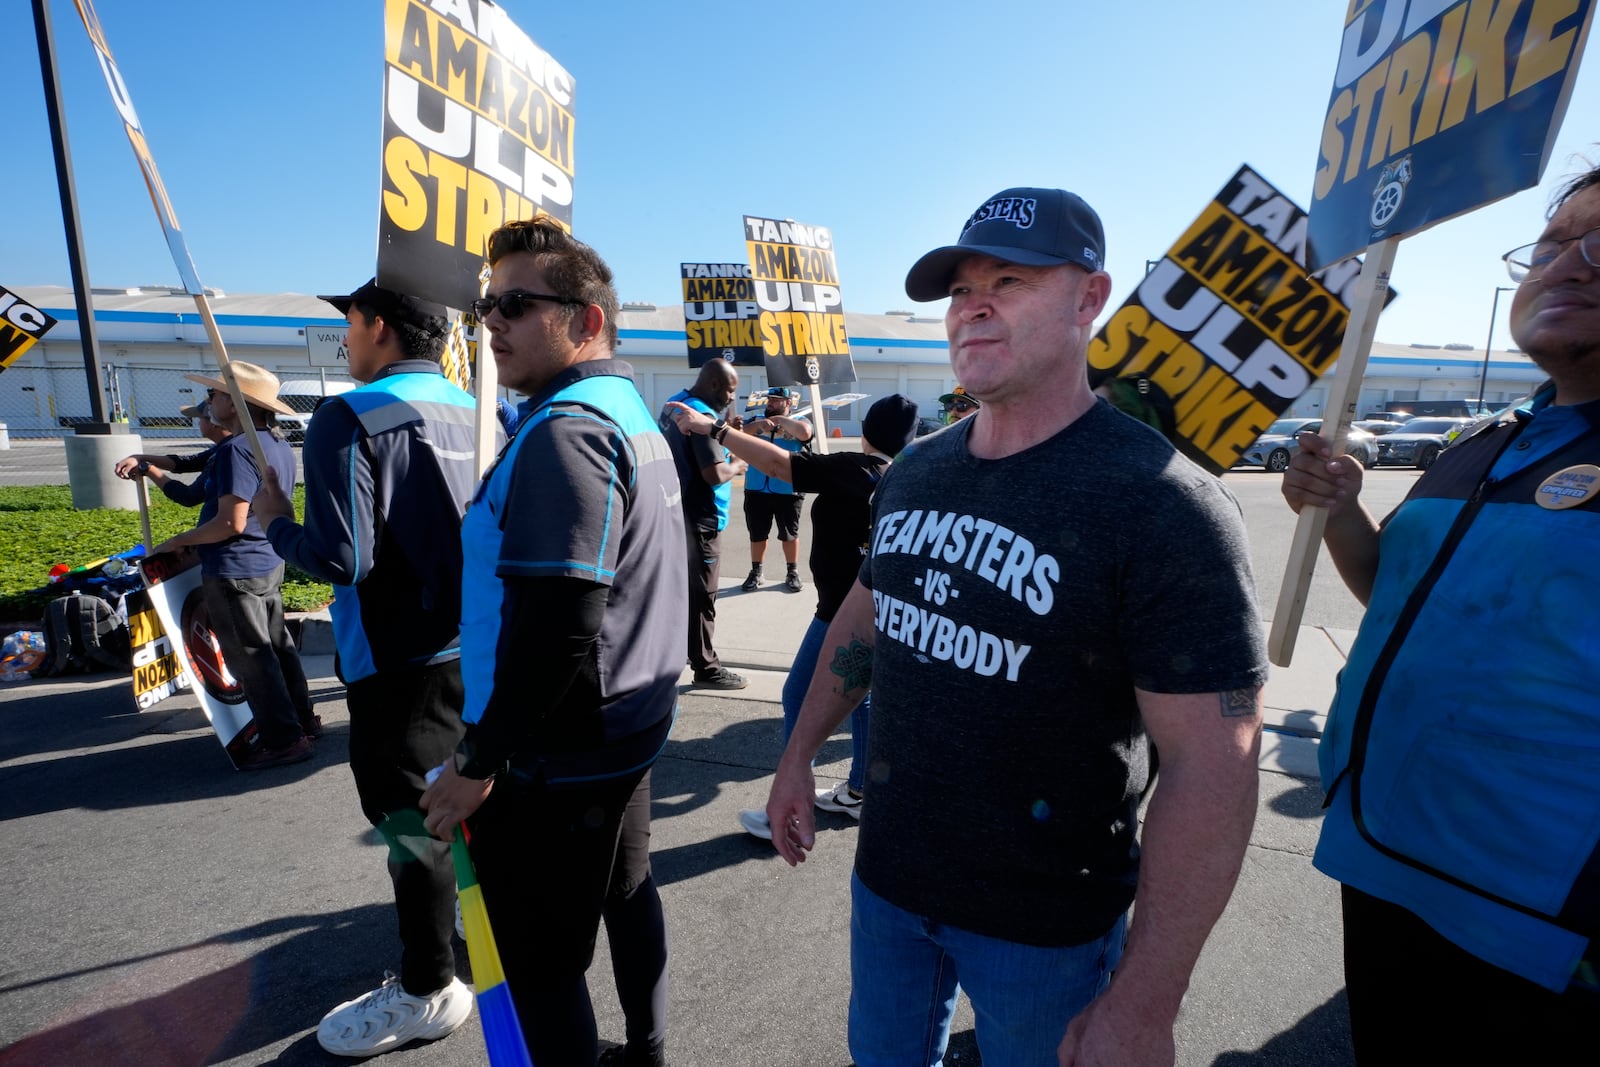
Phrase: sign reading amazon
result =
(720, 313)
(801, 306)
(1438, 107)
(478, 131)
(1229, 328)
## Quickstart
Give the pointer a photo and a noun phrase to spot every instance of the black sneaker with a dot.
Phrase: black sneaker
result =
(720, 678)
(632, 1056)
(752, 583)
(294, 752)
(791, 581)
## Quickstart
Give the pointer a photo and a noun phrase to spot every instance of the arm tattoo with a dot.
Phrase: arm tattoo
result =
(1237, 703)
(853, 664)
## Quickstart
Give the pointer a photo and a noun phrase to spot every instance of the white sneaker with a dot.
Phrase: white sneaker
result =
(461, 926)
(388, 1017)
(755, 823)
(840, 799)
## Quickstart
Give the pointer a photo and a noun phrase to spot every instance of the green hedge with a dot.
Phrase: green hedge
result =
(39, 528)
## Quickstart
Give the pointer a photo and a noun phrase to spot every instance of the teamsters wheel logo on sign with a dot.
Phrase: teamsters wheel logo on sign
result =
(1390, 192)
(813, 370)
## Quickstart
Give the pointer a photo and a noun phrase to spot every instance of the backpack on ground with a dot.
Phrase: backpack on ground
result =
(84, 633)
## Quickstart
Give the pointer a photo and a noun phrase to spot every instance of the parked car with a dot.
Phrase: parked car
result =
(304, 396)
(1379, 427)
(1419, 443)
(1273, 448)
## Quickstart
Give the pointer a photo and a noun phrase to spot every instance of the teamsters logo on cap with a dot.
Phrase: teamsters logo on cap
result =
(1017, 210)
(1034, 227)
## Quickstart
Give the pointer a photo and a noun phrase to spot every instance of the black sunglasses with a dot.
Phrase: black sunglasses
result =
(962, 405)
(514, 303)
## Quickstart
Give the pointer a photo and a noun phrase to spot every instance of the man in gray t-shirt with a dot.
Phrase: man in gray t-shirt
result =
(1088, 593)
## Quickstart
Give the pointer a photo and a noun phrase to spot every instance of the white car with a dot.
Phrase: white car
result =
(1273, 449)
(304, 396)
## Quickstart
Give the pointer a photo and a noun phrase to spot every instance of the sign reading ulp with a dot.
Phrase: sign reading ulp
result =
(801, 306)
(1229, 326)
(478, 131)
(720, 313)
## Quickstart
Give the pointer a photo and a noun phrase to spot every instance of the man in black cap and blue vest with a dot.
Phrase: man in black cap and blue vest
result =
(389, 471)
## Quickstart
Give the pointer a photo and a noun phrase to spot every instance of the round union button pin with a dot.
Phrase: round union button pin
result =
(1569, 487)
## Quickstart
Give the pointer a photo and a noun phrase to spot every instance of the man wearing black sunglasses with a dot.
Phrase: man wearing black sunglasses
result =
(574, 605)
(958, 405)
(1459, 758)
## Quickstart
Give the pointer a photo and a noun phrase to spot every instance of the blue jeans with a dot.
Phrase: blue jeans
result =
(904, 972)
(794, 694)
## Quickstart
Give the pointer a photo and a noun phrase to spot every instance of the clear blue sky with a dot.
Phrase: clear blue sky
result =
(888, 122)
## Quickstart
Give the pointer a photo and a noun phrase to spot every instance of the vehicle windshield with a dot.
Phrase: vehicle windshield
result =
(1430, 426)
(1289, 427)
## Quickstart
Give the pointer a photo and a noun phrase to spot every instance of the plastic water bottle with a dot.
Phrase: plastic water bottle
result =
(20, 653)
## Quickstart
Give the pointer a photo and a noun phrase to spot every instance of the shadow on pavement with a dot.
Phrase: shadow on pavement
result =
(1320, 1039)
(132, 775)
(1303, 802)
(220, 1000)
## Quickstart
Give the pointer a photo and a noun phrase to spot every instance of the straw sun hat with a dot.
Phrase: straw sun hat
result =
(259, 386)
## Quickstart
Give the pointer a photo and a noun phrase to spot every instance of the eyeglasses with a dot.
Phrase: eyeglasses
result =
(1523, 263)
(962, 405)
(514, 303)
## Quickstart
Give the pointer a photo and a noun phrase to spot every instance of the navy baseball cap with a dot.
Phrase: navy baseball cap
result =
(395, 307)
(1034, 227)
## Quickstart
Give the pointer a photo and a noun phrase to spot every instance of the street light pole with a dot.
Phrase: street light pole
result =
(1488, 345)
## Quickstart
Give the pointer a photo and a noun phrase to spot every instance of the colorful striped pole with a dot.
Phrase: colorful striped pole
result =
(502, 1031)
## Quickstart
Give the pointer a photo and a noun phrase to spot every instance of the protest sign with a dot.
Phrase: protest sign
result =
(1228, 326)
(158, 663)
(802, 308)
(21, 326)
(478, 131)
(720, 315)
(1439, 107)
(173, 584)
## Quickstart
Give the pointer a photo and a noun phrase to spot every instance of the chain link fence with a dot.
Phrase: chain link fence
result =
(45, 402)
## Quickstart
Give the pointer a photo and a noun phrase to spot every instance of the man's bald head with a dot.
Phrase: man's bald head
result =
(717, 384)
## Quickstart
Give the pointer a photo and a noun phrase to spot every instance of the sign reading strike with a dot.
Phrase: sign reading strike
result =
(477, 131)
(721, 316)
(1438, 107)
(801, 307)
(1229, 326)
(21, 326)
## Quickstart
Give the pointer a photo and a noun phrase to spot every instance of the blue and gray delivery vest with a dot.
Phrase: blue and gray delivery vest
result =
(409, 619)
(1462, 754)
(639, 555)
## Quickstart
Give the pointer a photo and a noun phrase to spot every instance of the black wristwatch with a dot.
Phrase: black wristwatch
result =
(719, 430)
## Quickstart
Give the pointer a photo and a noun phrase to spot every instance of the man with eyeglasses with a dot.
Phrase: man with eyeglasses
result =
(958, 405)
(1462, 752)
(389, 470)
(574, 605)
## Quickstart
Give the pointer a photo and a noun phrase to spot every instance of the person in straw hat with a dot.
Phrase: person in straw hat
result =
(160, 468)
(242, 576)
